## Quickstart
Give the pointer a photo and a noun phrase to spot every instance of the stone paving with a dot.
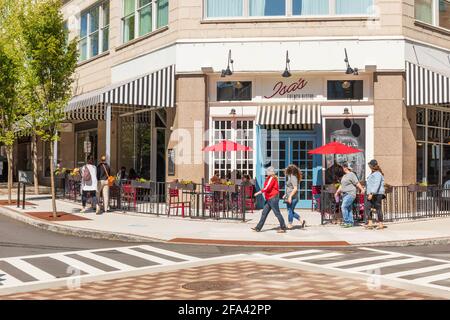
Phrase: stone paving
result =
(226, 281)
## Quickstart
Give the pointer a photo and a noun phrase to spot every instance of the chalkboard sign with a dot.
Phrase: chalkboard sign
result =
(26, 177)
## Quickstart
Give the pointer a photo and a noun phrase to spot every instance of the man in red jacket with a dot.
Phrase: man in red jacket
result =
(271, 193)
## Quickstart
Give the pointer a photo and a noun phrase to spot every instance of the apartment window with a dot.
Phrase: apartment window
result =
(234, 91)
(434, 12)
(141, 17)
(345, 90)
(94, 31)
(274, 8)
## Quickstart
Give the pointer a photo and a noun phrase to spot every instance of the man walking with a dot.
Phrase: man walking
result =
(103, 173)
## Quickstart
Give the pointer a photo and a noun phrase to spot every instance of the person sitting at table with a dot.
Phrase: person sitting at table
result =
(215, 179)
(132, 175)
(246, 180)
(122, 174)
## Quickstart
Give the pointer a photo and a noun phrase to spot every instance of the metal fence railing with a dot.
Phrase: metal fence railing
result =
(196, 201)
(401, 203)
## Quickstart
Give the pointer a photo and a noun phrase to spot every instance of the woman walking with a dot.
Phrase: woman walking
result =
(88, 183)
(271, 193)
(294, 177)
(349, 183)
(375, 194)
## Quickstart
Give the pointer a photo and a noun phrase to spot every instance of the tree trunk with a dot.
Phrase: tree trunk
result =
(52, 179)
(35, 162)
(9, 156)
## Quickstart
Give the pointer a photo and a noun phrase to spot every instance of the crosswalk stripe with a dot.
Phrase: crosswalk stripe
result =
(317, 256)
(145, 256)
(437, 277)
(113, 263)
(74, 263)
(385, 264)
(361, 260)
(169, 253)
(30, 269)
(296, 253)
(403, 254)
(418, 271)
(7, 280)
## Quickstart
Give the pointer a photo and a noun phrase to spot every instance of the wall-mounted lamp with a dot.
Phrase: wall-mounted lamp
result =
(227, 71)
(349, 70)
(287, 73)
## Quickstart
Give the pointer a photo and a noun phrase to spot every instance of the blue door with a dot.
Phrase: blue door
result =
(294, 149)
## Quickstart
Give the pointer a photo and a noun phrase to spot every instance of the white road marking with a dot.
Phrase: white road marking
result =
(169, 253)
(296, 253)
(30, 269)
(418, 271)
(386, 264)
(318, 256)
(436, 277)
(74, 263)
(110, 262)
(7, 280)
(360, 260)
(146, 256)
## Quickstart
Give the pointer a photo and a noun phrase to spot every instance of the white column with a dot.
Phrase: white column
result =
(108, 134)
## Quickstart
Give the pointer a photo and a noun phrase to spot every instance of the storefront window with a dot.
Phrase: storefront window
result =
(234, 91)
(241, 131)
(220, 8)
(349, 7)
(433, 138)
(94, 31)
(424, 10)
(141, 17)
(345, 90)
(86, 144)
(47, 158)
(267, 8)
(444, 14)
(353, 136)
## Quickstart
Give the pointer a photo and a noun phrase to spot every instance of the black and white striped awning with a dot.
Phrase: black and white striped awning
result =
(298, 116)
(425, 87)
(153, 90)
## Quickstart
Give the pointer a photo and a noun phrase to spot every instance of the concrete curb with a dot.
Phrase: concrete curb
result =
(124, 237)
(74, 231)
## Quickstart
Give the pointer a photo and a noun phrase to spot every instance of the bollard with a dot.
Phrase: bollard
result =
(18, 195)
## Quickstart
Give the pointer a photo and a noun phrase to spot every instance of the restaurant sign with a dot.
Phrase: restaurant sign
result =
(299, 89)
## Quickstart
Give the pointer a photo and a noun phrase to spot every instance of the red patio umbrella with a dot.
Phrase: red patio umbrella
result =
(334, 148)
(226, 145)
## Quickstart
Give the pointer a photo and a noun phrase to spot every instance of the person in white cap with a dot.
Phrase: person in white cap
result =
(349, 183)
(271, 193)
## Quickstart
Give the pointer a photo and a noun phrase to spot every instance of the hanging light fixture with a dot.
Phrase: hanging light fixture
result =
(287, 73)
(346, 84)
(227, 71)
(238, 85)
(349, 70)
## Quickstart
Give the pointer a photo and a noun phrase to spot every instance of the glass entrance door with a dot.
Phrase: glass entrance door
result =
(293, 149)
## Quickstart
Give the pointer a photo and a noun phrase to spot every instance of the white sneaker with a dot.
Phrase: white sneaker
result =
(83, 210)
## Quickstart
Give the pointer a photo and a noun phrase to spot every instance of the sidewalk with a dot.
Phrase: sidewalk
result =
(139, 227)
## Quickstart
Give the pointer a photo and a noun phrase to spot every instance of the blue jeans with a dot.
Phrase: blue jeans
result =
(271, 204)
(291, 212)
(347, 212)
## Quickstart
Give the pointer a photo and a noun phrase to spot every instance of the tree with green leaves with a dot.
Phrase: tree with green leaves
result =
(9, 107)
(50, 63)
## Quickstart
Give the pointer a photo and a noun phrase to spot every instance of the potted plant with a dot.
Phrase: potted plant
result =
(421, 187)
(141, 183)
(224, 187)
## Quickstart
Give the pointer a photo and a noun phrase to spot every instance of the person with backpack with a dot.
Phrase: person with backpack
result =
(349, 183)
(88, 183)
(104, 178)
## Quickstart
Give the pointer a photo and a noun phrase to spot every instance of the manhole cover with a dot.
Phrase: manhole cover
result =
(210, 285)
(275, 276)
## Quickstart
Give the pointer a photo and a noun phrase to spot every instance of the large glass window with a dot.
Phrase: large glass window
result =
(273, 8)
(141, 17)
(234, 91)
(345, 89)
(435, 12)
(433, 138)
(94, 31)
(241, 131)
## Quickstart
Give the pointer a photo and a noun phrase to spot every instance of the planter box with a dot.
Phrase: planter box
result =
(142, 185)
(417, 188)
(76, 178)
(177, 185)
(223, 188)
